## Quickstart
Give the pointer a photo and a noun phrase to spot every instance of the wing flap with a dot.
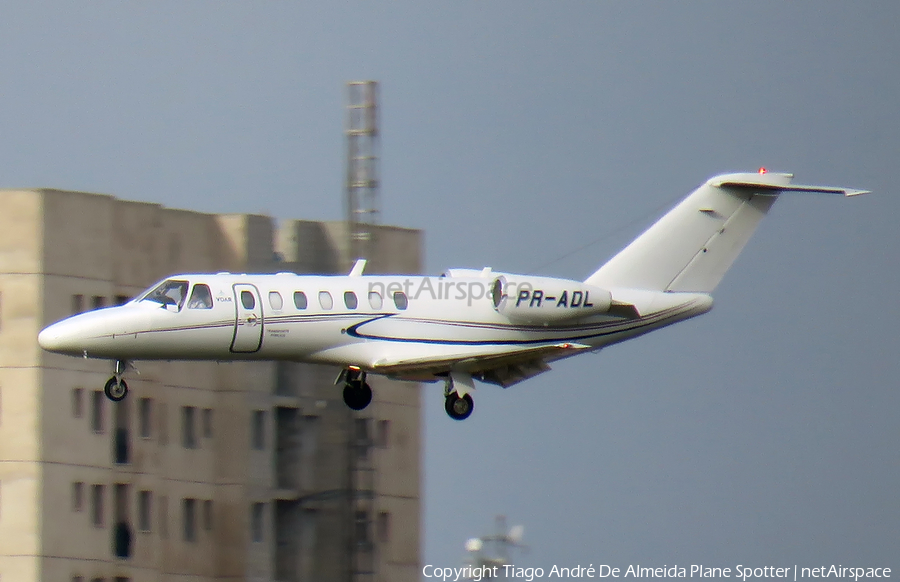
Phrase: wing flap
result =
(513, 364)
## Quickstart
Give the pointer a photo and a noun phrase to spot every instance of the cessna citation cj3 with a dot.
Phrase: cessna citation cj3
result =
(495, 327)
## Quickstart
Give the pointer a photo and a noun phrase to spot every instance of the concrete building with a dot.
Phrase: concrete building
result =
(207, 471)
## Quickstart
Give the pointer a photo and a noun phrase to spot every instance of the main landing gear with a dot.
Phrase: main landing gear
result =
(116, 389)
(457, 401)
(357, 392)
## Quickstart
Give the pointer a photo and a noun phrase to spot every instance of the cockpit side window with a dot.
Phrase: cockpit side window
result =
(201, 298)
(169, 292)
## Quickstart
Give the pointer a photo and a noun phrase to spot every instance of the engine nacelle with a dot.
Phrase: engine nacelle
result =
(544, 300)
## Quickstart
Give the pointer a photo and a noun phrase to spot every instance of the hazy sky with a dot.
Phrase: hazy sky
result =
(763, 433)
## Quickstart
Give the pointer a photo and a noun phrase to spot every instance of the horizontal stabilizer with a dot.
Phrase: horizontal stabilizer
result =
(776, 188)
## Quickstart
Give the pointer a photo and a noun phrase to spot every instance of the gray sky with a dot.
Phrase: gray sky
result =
(763, 433)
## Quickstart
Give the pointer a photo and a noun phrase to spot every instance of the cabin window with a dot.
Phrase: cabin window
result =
(350, 300)
(171, 292)
(275, 300)
(375, 300)
(299, 299)
(247, 300)
(325, 300)
(201, 298)
(400, 300)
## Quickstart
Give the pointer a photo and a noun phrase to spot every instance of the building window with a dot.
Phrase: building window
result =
(162, 413)
(207, 423)
(189, 519)
(77, 496)
(383, 433)
(188, 430)
(145, 417)
(257, 517)
(401, 302)
(325, 300)
(259, 429)
(275, 300)
(77, 402)
(362, 526)
(164, 517)
(350, 300)
(300, 300)
(384, 526)
(122, 299)
(208, 515)
(98, 403)
(145, 503)
(98, 301)
(375, 300)
(97, 505)
(77, 578)
(77, 303)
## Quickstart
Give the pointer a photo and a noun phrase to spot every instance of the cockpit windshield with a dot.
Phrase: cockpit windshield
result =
(170, 292)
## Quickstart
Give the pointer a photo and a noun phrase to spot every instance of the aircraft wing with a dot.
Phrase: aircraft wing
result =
(505, 368)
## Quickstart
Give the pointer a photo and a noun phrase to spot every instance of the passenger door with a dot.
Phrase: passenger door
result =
(248, 322)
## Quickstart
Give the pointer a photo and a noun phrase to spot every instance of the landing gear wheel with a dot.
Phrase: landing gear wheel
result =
(116, 389)
(357, 395)
(458, 408)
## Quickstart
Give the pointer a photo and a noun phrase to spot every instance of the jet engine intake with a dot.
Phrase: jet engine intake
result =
(543, 300)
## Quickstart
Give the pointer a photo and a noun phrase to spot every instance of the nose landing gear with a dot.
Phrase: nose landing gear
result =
(116, 389)
(357, 392)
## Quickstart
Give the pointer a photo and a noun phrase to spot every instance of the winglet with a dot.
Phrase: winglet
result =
(358, 267)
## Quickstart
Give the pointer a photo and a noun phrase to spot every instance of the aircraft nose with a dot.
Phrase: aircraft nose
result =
(50, 337)
(59, 337)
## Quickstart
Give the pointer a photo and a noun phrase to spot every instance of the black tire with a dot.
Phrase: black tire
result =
(116, 390)
(357, 395)
(459, 408)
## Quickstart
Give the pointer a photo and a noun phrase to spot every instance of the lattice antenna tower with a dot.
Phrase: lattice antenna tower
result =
(362, 166)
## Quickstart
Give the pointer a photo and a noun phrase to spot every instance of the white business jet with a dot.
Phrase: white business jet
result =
(463, 326)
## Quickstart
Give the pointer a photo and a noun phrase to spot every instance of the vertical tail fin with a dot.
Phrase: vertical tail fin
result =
(694, 244)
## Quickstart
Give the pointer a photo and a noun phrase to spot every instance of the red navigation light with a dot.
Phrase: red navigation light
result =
(762, 170)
